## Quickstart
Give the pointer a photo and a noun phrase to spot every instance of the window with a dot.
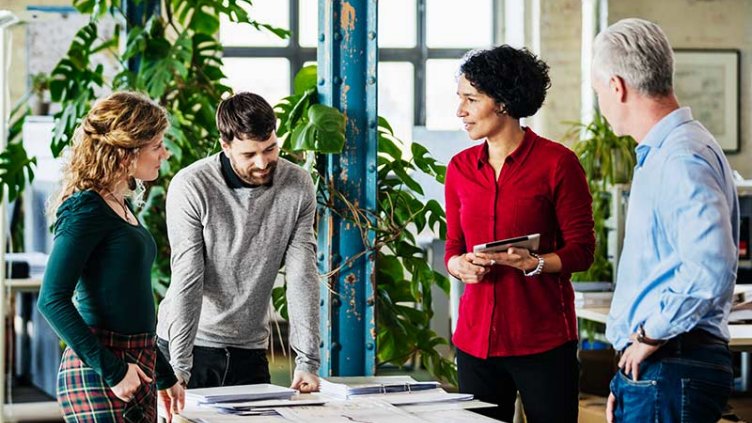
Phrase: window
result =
(243, 35)
(261, 62)
(396, 86)
(441, 99)
(433, 36)
(420, 46)
(444, 25)
(267, 77)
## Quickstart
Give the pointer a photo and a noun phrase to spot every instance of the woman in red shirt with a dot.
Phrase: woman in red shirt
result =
(517, 330)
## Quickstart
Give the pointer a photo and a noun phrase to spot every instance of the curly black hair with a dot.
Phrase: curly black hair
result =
(515, 78)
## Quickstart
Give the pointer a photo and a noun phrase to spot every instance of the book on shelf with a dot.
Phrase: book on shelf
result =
(592, 299)
(741, 312)
(344, 387)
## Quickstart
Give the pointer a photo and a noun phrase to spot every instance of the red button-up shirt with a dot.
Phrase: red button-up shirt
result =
(541, 189)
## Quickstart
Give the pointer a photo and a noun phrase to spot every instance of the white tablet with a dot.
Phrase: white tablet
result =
(530, 242)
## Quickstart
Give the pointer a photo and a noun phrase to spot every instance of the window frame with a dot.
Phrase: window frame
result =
(417, 55)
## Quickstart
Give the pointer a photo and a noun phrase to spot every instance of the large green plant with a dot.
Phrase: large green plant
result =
(404, 277)
(181, 66)
(16, 170)
(16, 167)
(403, 274)
(608, 159)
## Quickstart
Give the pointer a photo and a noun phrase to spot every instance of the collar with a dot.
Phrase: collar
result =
(660, 131)
(231, 178)
(518, 154)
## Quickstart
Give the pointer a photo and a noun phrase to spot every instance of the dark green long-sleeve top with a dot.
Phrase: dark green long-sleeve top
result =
(106, 262)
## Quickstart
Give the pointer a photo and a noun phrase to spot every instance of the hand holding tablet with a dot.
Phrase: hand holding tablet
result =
(529, 242)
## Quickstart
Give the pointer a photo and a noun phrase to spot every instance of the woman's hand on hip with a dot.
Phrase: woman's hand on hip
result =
(126, 388)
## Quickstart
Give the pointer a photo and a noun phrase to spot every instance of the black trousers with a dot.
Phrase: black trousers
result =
(224, 366)
(548, 383)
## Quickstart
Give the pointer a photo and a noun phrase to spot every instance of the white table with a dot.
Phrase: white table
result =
(23, 285)
(454, 412)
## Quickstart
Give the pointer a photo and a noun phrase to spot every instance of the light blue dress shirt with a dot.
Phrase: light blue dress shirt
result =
(678, 265)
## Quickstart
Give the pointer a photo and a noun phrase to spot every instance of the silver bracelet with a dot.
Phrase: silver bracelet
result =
(538, 269)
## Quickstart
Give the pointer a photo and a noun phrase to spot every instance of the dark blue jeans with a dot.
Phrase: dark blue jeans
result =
(677, 384)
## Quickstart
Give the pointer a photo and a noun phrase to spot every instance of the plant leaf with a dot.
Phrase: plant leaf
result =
(305, 79)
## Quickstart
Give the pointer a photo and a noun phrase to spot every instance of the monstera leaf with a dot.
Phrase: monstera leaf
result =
(324, 132)
(15, 170)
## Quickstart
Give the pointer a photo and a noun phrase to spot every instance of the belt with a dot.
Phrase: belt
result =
(696, 338)
(685, 341)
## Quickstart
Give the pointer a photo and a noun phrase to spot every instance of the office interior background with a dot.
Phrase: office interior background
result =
(420, 44)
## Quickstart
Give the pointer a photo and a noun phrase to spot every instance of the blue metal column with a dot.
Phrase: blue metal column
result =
(347, 61)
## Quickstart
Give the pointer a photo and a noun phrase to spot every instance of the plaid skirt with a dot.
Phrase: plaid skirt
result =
(85, 397)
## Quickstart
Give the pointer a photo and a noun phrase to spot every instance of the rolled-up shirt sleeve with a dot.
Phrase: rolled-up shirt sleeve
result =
(694, 210)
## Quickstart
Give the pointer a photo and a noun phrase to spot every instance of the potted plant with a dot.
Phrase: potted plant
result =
(40, 84)
(608, 160)
(404, 305)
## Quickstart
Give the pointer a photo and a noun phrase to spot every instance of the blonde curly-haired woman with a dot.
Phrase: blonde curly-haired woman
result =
(103, 255)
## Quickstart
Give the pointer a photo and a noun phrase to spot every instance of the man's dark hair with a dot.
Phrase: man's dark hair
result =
(245, 116)
(515, 79)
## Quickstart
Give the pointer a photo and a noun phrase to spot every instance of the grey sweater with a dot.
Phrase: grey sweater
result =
(228, 245)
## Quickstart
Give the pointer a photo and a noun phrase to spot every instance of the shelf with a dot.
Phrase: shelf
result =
(23, 285)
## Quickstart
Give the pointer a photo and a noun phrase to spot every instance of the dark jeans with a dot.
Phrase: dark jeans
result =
(677, 384)
(224, 366)
(548, 383)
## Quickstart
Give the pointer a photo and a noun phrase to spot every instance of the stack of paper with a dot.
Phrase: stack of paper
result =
(421, 397)
(263, 391)
(264, 407)
(741, 312)
(345, 387)
(360, 410)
